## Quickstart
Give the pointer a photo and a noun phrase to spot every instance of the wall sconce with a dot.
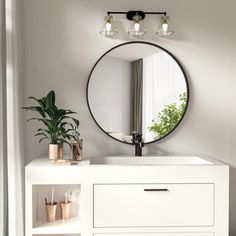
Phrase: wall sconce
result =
(108, 28)
(136, 29)
(164, 31)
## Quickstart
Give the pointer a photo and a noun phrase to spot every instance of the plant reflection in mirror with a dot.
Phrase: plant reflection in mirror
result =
(169, 118)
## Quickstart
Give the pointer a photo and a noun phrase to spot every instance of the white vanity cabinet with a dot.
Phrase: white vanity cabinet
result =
(129, 200)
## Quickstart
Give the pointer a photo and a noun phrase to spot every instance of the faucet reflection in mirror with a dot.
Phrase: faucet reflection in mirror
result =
(109, 28)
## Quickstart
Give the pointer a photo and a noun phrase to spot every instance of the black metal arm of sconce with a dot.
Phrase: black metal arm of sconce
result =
(131, 14)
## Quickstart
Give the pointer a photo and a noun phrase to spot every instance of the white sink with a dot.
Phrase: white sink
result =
(152, 160)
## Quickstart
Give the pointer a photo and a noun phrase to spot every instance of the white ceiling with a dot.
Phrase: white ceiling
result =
(135, 51)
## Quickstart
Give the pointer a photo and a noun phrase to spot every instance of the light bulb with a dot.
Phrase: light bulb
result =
(136, 26)
(165, 26)
(108, 26)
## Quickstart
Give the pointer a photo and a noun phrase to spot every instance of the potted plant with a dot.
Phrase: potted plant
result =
(58, 125)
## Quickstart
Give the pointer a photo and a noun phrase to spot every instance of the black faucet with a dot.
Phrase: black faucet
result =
(138, 142)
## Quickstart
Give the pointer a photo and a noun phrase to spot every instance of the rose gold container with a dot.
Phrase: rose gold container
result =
(51, 210)
(55, 151)
(65, 210)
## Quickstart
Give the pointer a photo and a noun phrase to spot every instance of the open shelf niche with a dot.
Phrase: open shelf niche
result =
(70, 227)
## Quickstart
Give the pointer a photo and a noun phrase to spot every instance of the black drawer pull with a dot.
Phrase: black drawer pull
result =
(156, 189)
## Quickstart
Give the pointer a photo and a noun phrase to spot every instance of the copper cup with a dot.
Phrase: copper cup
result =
(65, 210)
(51, 210)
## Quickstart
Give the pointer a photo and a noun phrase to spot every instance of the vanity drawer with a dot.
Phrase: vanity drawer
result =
(153, 205)
(157, 234)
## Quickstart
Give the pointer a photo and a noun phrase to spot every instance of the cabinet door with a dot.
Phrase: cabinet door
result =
(153, 205)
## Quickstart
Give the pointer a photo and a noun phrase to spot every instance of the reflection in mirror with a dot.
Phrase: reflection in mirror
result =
(137, 87)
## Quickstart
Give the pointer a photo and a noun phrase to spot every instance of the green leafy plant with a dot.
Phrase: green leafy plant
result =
(169, 118)
(59, 126)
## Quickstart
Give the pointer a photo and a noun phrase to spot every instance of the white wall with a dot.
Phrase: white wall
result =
(109, 94)
(62, 43)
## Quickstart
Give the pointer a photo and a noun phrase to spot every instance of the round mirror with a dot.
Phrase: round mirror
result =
(137, 87)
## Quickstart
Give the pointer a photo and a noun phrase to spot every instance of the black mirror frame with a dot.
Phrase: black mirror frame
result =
(170, 54)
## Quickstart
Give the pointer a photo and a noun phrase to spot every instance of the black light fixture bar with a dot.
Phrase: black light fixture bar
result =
(156, 13)
(131, 14)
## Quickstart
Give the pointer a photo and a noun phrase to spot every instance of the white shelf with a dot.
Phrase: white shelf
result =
(70, 226)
